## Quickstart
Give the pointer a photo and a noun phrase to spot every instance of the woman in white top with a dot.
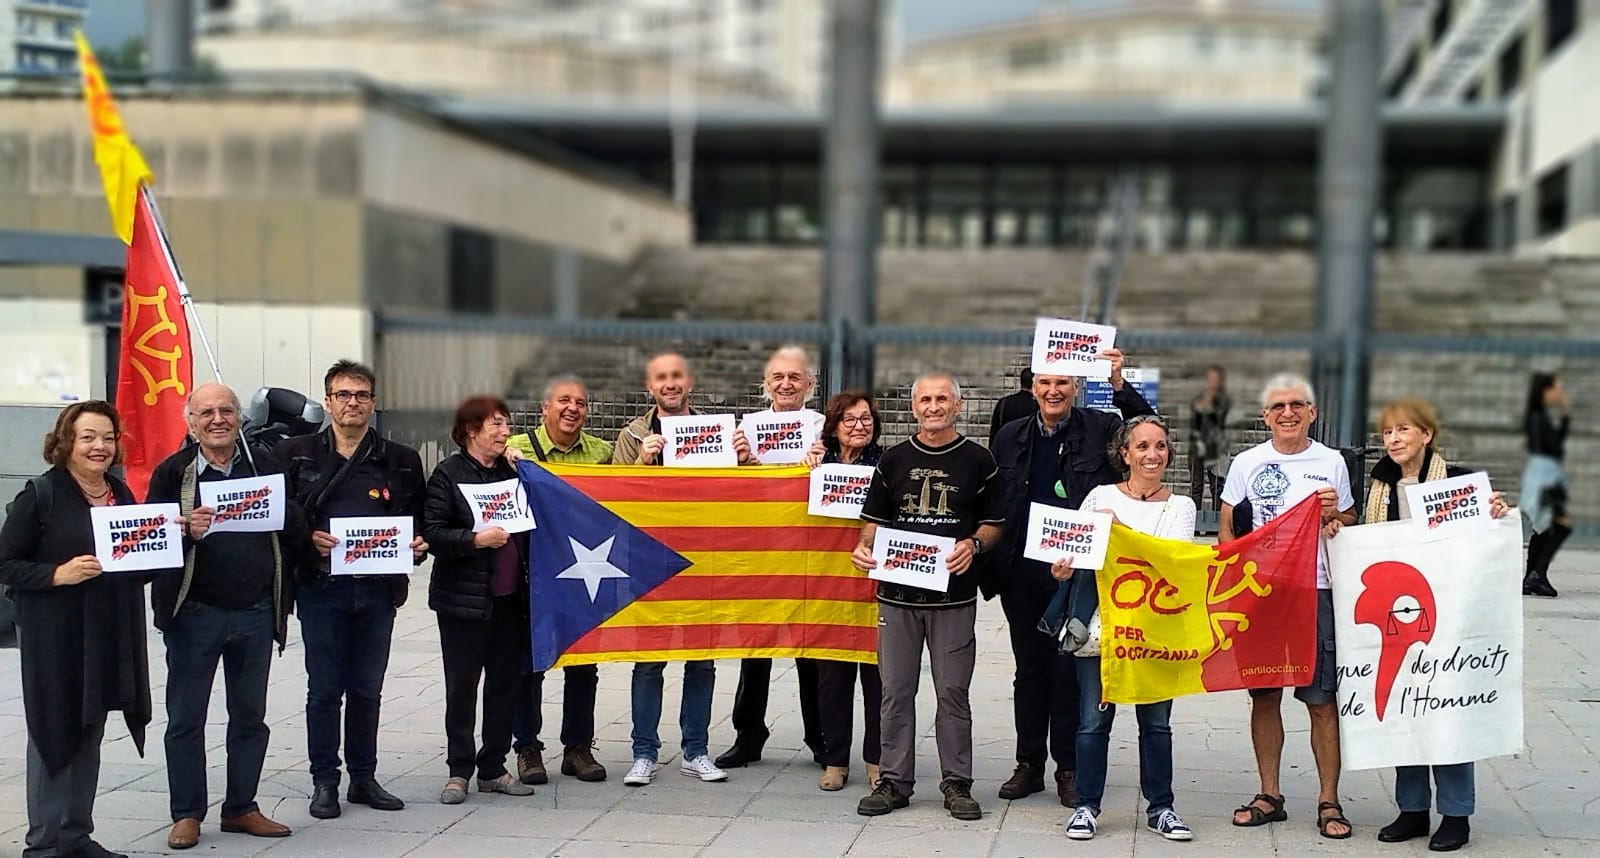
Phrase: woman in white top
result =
(1140, 501)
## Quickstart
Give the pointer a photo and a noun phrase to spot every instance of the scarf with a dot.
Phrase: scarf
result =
(1379, 493)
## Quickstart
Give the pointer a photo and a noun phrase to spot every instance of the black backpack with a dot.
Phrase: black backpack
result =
(44, 504)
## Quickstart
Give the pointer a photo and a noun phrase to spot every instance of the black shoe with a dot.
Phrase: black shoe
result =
(884, 798)
(1409, 824)
(91, 849)
(737, 757)
(1453, 833)
(325, 802)
(373, 796)
(1539, 586)
(959, 801)
(1025, 781)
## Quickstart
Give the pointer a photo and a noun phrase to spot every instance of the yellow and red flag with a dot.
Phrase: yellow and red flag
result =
(122, 169)
(1179, 618)
(155, 369)
(656, 564)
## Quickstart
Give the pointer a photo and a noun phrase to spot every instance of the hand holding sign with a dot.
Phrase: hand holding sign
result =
(494, 537)
(76, 571)
(1065, 347)
(198, 522)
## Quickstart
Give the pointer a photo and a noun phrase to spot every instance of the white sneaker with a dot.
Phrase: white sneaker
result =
(701, 767)
(1081, 826)
(642, 773)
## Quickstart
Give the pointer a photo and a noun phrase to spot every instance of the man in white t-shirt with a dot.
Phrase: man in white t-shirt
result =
(787, 384)
(1272, 477)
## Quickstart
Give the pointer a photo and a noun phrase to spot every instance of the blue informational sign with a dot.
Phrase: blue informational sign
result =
(1097, 394)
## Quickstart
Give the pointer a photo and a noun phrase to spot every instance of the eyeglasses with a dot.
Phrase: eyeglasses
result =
(1291, 405)
(226, 412)
(863, 420)
(361, 396)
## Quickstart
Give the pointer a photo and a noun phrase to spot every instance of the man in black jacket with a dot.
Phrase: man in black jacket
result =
(1014, 405)
(229, 603)
(346, 621)
(1053, 457)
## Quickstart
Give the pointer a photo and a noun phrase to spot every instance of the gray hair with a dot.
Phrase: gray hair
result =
(188, 401)
(789, 350)
(955, 386)
(1286, 381)
(565, 378)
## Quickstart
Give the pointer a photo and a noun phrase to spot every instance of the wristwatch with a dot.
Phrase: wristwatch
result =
(977, 545)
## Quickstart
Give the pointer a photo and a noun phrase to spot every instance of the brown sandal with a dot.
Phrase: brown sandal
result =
(1257, 815)
(1338, 816)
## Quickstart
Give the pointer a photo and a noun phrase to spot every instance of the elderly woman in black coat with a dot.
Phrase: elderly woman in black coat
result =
(81, 633)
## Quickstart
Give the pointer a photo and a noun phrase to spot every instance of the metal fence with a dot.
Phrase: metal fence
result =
(429, 363)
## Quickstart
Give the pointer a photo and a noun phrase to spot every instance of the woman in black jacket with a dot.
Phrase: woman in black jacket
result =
(479, 590)
(1410, 429)
(1545, 420)
(81, 634)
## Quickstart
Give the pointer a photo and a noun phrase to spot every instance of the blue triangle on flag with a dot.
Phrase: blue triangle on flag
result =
(584, 563)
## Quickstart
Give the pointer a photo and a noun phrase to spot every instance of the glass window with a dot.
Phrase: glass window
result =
(1510, 67)
(1560, 21)
(1023, 205)
(955, 206)
(1552, 201)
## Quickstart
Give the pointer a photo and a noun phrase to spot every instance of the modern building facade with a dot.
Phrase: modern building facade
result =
(1539, 61)
(36, 35)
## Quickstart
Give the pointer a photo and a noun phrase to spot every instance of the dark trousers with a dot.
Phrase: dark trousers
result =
(1200, 477)
(1044, 687)
(346, 624)
(750, 703)
(198, 636)
(836, 694)
(61, 806)
(495, 650)
(578, 687)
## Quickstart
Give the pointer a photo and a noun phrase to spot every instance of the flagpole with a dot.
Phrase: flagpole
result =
(183, 287)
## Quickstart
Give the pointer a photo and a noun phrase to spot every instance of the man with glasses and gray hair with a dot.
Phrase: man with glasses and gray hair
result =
(1271, 478)
(1054, 457)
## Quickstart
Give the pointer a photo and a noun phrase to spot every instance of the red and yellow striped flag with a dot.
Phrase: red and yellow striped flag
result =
(765, 579)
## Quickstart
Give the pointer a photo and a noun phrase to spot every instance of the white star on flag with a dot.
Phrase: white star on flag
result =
(592, 565)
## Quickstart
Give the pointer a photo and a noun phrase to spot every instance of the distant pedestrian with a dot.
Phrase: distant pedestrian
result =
(1208, 437)
(1545, 420)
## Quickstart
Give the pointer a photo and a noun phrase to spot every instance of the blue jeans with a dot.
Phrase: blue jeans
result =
(1457, 795)
(198, 636)
(346, 623)
(694, 713)
(1094, 742)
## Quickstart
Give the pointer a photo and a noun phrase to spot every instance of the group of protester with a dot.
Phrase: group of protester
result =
(84, 654)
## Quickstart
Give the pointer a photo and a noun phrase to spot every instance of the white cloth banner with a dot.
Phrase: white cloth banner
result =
(1429, 634)
(371, 545)
(137, 538)
(502, 504)
(245, 505)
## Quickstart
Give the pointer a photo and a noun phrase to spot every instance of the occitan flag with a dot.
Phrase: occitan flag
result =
(122, 168)
(1180, 618)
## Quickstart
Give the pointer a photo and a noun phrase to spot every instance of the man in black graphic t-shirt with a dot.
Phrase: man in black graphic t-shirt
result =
(941, 484)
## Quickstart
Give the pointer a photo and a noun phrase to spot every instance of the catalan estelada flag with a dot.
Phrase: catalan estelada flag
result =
(1179, 618)
(638, 563)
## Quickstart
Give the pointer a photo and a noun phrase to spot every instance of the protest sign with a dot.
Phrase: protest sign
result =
(1066, 534)
(1064, 347)
(1458, 506)
(1146, 380)
(137, 538)
(502, 504)
(698, 441)
(911, 559)
(245, 505)
(781, 437)
(839, 491)
(371, 545)
(1430, 648)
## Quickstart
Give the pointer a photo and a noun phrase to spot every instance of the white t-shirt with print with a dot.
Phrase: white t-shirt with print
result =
(1274, 482)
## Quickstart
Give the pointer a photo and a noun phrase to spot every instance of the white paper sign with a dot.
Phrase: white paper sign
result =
(839, 491)
(1065, 347)
(1430, 644)
(137, 538)
(911, 559)
(781, 437)
(371, 545)
(698, 441)
(1457, 506)
(1076, 536)
(245, 505)
(503, 504)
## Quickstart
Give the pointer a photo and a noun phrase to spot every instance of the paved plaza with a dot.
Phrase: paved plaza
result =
(1545, 801)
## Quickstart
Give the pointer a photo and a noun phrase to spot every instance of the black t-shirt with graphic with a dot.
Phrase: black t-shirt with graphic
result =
(940, 491)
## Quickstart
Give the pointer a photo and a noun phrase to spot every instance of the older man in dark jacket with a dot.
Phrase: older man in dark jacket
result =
(229, 603)
(1053, 457)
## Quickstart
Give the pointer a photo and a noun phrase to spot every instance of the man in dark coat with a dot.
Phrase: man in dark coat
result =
(1014, 405)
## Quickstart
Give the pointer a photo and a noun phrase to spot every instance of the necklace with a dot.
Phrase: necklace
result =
(94, 497)
(1143, 496)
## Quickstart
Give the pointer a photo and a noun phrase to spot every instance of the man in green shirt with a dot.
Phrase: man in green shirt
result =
(560, 438)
